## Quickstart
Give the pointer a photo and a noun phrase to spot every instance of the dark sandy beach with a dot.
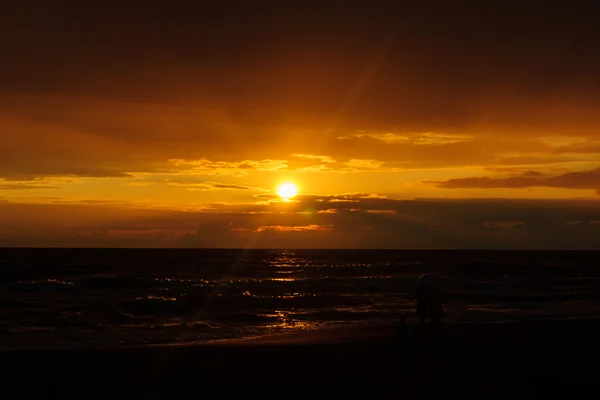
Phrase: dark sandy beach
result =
(482, 356)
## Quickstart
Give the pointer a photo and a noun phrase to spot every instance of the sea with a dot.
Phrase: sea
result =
(90, 298)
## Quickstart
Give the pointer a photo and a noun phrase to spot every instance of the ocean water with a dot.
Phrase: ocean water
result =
(74, 298)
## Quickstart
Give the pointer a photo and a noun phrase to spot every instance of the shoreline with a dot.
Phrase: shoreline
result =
(552, 351)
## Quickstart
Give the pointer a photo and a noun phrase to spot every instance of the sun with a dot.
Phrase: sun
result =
(287, 191)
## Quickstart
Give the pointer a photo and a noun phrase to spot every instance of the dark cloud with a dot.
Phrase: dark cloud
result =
(569, 180)
(554, 224)
(503, 224)
(272, 79)
(521, 171)
(471, 45)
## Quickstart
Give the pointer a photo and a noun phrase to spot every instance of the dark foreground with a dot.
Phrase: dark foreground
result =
(535, 356)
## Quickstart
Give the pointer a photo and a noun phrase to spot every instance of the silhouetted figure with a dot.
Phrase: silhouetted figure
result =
(429, 300)
(401, 327)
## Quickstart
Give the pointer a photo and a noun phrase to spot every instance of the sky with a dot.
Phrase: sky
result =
(434, 124)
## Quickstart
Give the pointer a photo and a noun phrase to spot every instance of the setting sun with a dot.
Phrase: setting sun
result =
(287, 191)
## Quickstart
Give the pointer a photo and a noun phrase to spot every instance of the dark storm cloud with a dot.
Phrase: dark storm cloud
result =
(570, 180)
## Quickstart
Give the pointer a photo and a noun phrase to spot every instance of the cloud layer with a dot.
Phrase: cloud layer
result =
(357, 221)
(570, 180)
(464, 91)
(173, 126)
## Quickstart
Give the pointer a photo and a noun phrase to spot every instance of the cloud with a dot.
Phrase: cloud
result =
(230, 186)
(99, 201)
(142, 95)
(294, 228)
(579, 148)
(320, 158)
(521, 171)
(570, 180)
(226, 167)
(21, 186)
(202, 185)
(302, 200)
(503, 224)
(74, 135)
(423, 139)
(370, 223)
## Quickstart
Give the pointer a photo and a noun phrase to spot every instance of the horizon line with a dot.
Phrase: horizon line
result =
(284, 249)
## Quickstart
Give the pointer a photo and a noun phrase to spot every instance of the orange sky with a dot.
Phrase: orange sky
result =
(403, 126)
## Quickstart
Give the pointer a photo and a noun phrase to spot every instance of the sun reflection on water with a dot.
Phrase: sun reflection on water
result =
(164, 298)
(287, 259)
(286, 322)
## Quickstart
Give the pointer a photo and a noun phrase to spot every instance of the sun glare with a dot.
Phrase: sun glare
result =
(287, 191)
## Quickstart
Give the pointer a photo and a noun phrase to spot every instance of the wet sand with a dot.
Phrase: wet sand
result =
(535, 355)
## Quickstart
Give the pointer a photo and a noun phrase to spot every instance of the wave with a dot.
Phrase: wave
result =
(161, 296)
(208, 305)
